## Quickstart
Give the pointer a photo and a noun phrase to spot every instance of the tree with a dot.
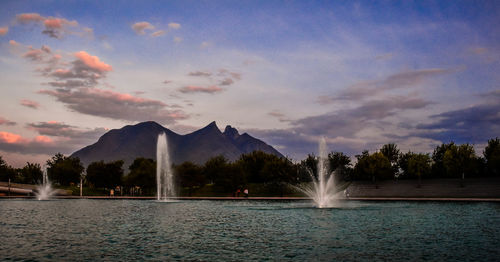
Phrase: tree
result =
(492, 156)
(143, 174)
(341, 164)
(280, 172)
(64, 170)
(230, 178)
(31, 173)
(375, 167)
(392, 152)
(6, 171)
(252, 164)
(307, 167)
(105, 175)
(438, 167)
(190, 175)
(418, 165)
(214, 167)
(460, 161)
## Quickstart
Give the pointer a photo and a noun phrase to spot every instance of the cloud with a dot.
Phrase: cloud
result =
(30, 104)
(226, 82)
(54, 27)
(11, 142)
(140, 27)
(227, 73)
(6, 122)
(174, 26)
(27, 18)
(368, 89)
(158, 33)
(200, 73)
(114, 105)
(62, 130)
(84, 71)
(177, 39)
(205, 44)
(199, 89)
(280, 116)
(350, 130)
(93, 62)
(167, 82)
(4, 30)
(474, 124)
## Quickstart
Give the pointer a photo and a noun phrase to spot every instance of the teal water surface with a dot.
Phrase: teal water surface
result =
(131, 230)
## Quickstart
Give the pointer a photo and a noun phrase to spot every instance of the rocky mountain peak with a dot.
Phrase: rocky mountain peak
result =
(231, 132)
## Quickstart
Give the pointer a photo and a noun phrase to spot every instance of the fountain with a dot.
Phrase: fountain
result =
(44, 191)
(164, 175)
(323, 190)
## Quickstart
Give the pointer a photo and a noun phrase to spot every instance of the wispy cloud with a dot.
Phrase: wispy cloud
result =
(140, 27)
(199, 89)
(174, 25)
(6, 122)
(54, 27)
(114, 105)
(30, 104)
(472, 124)
(158, 33)
(4, 30)
(367, 89)
(200, 73)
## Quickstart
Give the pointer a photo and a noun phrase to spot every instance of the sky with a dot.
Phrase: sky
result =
(359, 73)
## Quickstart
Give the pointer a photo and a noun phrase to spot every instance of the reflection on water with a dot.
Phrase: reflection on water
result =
(248, 230)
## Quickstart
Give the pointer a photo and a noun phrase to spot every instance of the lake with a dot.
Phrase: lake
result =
(127, 230)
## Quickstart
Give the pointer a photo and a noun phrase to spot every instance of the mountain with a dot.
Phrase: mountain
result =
(139, 140)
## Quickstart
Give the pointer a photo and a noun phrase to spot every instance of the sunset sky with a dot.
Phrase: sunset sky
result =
(360, 73)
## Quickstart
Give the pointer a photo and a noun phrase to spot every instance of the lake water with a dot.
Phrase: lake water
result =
(129, 230)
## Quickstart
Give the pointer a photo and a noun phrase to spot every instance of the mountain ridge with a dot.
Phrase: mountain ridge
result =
(139, 140)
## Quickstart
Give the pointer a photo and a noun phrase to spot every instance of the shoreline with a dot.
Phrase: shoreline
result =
(431, 199)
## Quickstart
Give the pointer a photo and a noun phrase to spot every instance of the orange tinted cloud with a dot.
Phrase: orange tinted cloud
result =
(30, 104)
(4, 30)
(43, 139)
(11, 138)
(29, 17)
(93, 61)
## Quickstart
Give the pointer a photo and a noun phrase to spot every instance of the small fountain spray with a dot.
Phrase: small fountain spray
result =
(323, 190)
(44, 191)
(164, 175)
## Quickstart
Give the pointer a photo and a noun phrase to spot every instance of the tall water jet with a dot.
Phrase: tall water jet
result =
(44, 191)
(323, 190)
(164, 175)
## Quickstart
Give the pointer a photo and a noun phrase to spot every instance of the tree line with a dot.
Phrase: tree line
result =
(448, 160)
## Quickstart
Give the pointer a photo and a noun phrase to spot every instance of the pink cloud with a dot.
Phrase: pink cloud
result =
(140, 27)
(58, 23)
(158, 33)
(93, 61)
(199, 89)
(34, 54)
(4, 30)
(43, 139)
(30, 104)
(6, 122)
(174, 25)
(11, 138)
(54, 26)
(29, 17)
